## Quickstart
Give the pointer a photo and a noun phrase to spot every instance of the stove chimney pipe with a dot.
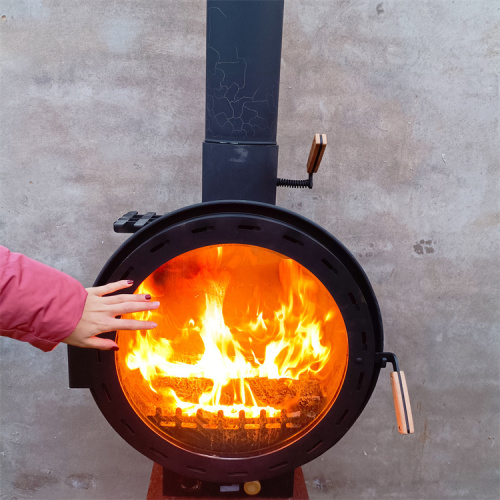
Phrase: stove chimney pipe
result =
(240, 154)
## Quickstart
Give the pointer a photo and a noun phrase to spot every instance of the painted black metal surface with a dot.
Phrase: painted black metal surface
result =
(243, 70)
(240, 154)
(276, 229)
(239, 172)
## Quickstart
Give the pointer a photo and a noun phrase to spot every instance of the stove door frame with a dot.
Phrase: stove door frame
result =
(254, 224)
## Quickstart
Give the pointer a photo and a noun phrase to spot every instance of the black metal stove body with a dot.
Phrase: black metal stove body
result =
(239, 189)
(247, 223)
(240, 154)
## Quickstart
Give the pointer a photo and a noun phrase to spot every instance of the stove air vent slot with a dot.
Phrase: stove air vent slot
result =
(344, 415)
(291, 239)
(278, 466)
(196, 469)
(202, 229)
(237, 474)
(159, 246)
(329, 266)
(315, 446)
(158, 453)
(247, 227)
(364, 341)
(106, 392)
(360, 381)
(354, 301)
(126, 274)
(127, 426)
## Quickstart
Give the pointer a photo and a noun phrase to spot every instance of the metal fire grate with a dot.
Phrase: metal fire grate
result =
(286, 420)
(304, 395)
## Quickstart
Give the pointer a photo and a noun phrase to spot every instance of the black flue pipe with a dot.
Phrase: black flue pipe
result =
(240, 153)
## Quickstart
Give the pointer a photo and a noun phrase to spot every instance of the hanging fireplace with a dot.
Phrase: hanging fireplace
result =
(269, 341)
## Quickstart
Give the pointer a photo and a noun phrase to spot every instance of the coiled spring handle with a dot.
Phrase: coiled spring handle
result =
(315, 155)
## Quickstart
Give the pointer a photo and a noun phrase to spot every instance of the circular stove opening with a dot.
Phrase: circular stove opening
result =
(251, 351)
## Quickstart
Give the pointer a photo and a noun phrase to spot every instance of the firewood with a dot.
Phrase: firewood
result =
(186, 389)
(267, 392)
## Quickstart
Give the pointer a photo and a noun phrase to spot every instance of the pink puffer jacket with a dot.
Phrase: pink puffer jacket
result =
(38, 304)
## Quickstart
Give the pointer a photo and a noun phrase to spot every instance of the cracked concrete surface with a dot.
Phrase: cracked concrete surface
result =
(103, 112)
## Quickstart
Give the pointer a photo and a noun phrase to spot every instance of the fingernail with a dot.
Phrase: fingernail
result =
(115, 348)
(130, 282)
(155, 304)
(153, 325)
(147, 297)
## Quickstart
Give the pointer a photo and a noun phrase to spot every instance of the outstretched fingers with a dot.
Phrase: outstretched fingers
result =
(126, 297)
(133, 324)
(119, 309)
(99, 343)
(110, 287)
(132, 307)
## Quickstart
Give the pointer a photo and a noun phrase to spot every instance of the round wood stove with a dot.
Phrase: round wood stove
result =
(267, 350)
(269, 340)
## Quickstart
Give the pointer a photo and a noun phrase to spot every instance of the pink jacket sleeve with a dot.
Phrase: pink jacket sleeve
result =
(38, 304)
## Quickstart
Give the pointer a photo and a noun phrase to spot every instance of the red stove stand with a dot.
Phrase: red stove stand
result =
(166, 485)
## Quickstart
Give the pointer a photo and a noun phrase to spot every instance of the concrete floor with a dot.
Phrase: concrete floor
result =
(102, 112)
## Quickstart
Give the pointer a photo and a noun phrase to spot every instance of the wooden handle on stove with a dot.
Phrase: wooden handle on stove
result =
(316, 154)
(402, 405)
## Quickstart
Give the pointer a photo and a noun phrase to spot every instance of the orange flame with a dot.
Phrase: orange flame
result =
(219, 323)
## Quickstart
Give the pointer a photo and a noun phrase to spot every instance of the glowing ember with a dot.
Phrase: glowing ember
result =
(231, 315)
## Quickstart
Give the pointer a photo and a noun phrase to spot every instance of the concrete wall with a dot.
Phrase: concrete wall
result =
(102, 111)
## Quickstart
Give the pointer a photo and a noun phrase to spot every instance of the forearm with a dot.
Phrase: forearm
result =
(38, 304)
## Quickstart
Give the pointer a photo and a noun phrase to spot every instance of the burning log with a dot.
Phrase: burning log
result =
(278, 393)
(284, 392)
(186, 389)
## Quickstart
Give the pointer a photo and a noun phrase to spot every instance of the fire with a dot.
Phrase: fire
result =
(231, 315)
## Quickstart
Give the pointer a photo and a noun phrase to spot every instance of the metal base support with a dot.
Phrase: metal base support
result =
(167, 485)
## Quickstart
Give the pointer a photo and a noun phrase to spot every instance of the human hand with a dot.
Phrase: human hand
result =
(99, 316)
